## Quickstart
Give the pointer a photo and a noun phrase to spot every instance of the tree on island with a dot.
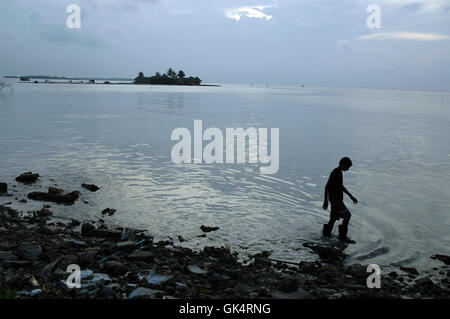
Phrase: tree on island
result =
(171, 73)
(169, 78)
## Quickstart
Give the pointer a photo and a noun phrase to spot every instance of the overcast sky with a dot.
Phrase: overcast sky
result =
(311, 42)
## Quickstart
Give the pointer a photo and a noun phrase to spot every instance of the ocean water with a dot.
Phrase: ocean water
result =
(118, 137)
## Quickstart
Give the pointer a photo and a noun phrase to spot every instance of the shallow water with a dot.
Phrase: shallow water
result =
(118, 137)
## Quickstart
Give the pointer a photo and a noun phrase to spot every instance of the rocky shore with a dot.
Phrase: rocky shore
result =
(36, 250)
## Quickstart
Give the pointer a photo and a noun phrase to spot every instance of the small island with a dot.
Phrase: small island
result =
(169, 78)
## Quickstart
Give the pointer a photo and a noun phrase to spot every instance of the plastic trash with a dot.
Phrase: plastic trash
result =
(119, 252)
(86, 273)
(155, 279)
(196, 270)
(143, 292)
(31, 293)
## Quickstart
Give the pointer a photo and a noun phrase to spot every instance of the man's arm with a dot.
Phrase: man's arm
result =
(325, 201)
(349, 194)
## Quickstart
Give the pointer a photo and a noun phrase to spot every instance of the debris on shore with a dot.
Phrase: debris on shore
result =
(36, 252)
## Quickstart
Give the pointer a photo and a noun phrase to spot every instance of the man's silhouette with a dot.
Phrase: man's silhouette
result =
(334, 192)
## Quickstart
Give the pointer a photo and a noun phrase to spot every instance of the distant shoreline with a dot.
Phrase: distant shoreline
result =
(111, 83)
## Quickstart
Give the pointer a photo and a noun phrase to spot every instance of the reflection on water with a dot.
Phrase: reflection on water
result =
(118, 137)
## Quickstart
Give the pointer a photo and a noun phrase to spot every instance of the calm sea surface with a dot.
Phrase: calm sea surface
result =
(118, 137)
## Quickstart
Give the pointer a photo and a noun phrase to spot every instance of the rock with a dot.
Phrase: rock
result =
(3, 188)
(298, 294)
(109, 233)
(47, 270)
(115, 268)
(87, 258)
(108, 211)
(144, 292)
(328, 254)
(425, 281)
(393, 274)
(208, 229)
(55, 190)
(288, 285)
(181, 286)
(358, 271)
(444, 258)
(196, 270)
(129, 244)
(27, 178)
(7, 255)
(142, 255)
(77, 243)
(74, 223)
(91, 187)
(23, 201)
(410, 270)
(262, 261)
(69, 198)
(44, 212)
(87, 229)
(306, 267)
(29, 252)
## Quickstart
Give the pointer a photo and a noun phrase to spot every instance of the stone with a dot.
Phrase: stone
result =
(393, 274)
(47, 270)
(44, 212)
(108, 211)
(3, 188)
(358, 271)
(425, 281)
(7, 255)
(69, 198)
(74, 223)
(27, 178)
(108, 233)
(55, 190)
(90, 187)
(327, 254)
(142, 255)
(129, 244)
(208, 229)
(298, 294)
(262, 261)
(410, 270)
(288, 285)
(444, 258)
(29, 252)
(87, 229)
(115, 268)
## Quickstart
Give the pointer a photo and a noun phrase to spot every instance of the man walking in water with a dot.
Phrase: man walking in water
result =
(334, 192)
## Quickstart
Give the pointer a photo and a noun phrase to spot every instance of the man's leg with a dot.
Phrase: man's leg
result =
(343, 229)
(328, 228)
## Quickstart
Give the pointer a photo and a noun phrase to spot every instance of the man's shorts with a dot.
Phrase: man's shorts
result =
(339, 210)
